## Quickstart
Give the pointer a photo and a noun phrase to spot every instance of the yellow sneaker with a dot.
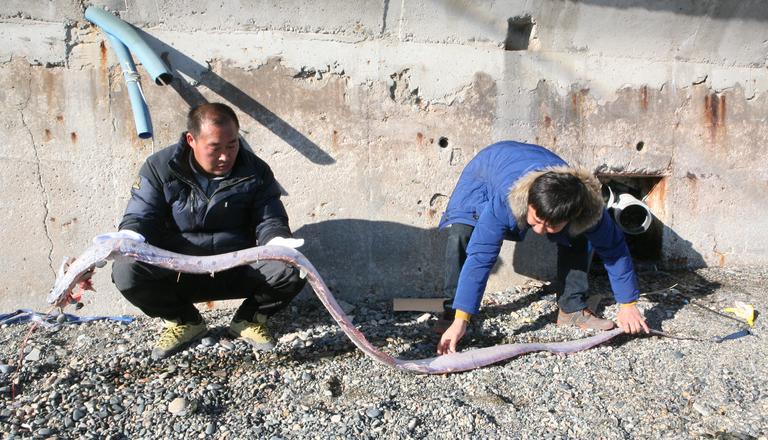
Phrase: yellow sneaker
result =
(253, 332)
(175, 336)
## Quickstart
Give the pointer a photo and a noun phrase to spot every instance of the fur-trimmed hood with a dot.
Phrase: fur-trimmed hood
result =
(590, 215)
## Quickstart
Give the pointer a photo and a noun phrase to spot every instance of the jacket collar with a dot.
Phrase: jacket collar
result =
(590, 215)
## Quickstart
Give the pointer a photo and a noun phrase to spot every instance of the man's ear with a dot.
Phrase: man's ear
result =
(190, 140)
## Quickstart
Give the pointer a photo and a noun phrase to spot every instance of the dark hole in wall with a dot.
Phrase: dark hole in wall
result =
(645, 247)
(518, 33)
(443, 142)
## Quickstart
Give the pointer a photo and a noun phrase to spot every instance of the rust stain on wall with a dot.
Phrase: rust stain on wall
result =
(656, 199)
(73, 137)
(47, 136)
(644, 98)
(419, 138)
(714, 113)
(103, 56)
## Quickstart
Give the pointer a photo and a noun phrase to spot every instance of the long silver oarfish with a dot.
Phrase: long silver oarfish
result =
(449, 363)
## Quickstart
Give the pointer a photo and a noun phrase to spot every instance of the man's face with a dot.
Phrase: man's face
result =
(215, 148)
(541, 227)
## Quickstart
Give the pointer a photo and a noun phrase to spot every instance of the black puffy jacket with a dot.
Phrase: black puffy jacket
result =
(169, 208)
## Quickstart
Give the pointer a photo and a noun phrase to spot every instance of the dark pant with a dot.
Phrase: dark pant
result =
(267, 287)
(572, 267)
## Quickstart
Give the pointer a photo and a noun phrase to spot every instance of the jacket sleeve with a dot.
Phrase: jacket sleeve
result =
(482, 253)
(608, 241)
(270, 216)
(147, 208)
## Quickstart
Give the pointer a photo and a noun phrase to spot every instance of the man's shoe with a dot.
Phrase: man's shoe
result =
(253, 332)
(584, 319)
(176, 336)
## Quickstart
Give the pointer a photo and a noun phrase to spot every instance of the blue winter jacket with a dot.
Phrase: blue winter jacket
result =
(501, 173)
(173, 212)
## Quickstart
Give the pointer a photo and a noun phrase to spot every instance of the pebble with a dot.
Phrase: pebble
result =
(5, 369)
(180, 407)
(227, 344)
(33, 356)
(78, 414)
(208, 341)
(703, 409)
(290, 393)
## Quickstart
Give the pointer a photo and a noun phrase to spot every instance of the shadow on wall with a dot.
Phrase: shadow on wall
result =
(178, 62)
(379, 258)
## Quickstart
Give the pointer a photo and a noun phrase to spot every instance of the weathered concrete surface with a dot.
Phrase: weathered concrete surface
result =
(367, 113)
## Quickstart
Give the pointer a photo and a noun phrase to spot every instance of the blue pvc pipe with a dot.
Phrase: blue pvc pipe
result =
(138, 104)
(130, 38)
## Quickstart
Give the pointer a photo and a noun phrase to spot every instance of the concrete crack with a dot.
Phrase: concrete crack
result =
(46, 197)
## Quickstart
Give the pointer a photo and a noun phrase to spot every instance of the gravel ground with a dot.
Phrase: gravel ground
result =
(96, 381)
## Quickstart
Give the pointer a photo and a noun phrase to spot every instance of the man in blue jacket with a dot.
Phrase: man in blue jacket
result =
(504, 191)
(207, 195)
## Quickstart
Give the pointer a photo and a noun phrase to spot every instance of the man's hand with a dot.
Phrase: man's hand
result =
(287, 242)
(630, 319)
(452, 336)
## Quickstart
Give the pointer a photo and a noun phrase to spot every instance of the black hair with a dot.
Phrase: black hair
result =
(557, 197)
(214, 113)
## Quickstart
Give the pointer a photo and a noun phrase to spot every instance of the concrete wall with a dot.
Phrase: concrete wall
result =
(348, 102)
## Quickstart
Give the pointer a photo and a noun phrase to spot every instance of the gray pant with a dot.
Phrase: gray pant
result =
(267, 287)
(572, 267)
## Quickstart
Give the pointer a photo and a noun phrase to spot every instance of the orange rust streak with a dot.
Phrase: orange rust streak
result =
(657, 199)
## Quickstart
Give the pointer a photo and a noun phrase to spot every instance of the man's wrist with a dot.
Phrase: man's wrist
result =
(629, 304)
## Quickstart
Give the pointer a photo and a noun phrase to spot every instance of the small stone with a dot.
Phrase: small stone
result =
(179, 406)
(227, 344)
(5, 369)
(33, 355)
(297, 343)
(214, 386)
(210, 429)
(336, 418)
(373, 413)
(423, 318)
(678, 355)
(44, 432)
(78, 414)
(306, 376)
(346, 307)
(412, 424)
(208, 341)
(702, 409)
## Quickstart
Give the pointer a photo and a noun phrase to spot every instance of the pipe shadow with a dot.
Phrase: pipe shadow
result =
(203, 75)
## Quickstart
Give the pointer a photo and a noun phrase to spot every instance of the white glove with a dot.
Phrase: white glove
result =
(287, 242)
(122, 234)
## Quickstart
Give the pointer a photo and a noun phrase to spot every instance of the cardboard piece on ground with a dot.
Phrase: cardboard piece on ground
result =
(418, 304)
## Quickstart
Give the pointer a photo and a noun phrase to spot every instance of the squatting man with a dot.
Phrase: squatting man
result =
(510, 188)
(207, 195)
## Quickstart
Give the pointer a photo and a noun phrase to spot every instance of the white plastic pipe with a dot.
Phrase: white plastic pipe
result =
(632, 215)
